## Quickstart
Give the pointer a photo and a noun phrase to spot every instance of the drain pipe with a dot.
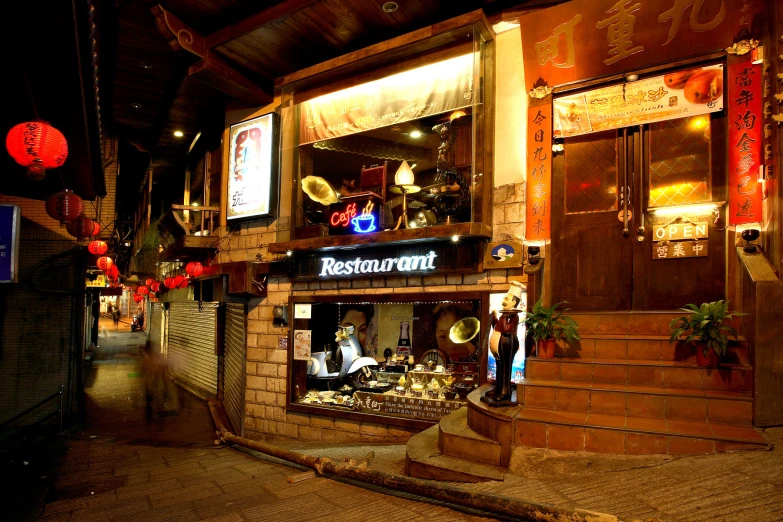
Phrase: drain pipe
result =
(498, 504)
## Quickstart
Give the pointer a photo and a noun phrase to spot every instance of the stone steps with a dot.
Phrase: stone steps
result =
(456, 439)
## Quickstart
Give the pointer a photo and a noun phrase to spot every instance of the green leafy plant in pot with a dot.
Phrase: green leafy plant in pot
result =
(705, 324)
(547, 325)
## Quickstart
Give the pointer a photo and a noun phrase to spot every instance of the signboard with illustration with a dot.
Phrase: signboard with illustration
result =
(253, 168)
(503, 254)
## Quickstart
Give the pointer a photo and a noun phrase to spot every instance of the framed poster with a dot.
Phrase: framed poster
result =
(10, 223)
(253, 168)
(302, 345)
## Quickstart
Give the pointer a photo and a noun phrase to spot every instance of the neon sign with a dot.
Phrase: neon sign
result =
(366, 222)
(347, 218)
(331, 267)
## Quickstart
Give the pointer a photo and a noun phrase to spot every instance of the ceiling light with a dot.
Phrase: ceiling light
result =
(389, 7)
(136, 105)
(415, 134)
(179, 134)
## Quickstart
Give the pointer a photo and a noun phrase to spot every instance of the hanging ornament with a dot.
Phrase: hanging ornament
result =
(194, 268)
(97, 248)
(105, 263)
(37, 146)
(96, 228)
(80, 227)
(169, 282)
(138, 297)
(155, 286)
(143, 290)
(113, 272)
(64, 206)
(149, 281)
(184, 282)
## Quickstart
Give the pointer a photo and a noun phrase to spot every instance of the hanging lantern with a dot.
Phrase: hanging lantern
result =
(37, 146)
(155, 286)
(149, 281)
(143, 290)
(138, 297)
(98, 248)
(105, 263)
(96, 228)
(169, 282)
(64, 206)
(80, 227)
(113, 272)
(194, 268)
(184, 282)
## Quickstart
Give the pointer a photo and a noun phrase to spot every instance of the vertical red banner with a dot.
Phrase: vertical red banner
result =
(538, 222)
(745, 142)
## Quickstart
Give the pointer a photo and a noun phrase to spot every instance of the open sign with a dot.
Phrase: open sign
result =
(676, 231)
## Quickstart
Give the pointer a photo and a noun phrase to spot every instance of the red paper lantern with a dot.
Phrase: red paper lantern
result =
(155, 286)
(113, 272)
(105, 263)
(143, 290)
(64, 206)
(37, 146)
(138, 297)
(194, 268)
(98, 248)
(169, 282)
(96, 228)
(149, 281)
(80, 227)
(184, 282)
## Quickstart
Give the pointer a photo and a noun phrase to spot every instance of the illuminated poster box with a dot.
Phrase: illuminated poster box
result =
(10, 219)
(253, 168)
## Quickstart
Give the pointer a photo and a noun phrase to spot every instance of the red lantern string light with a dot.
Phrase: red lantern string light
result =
(37, 146)
(143, 290)
(80, 227)
(155, 286)
(169, 282)
(138, 297)
(97, 248)
(64, 206)
(113, 272)
(149, 281)
(194, 268)
(96, 228)
(105, 263)
(184, 282)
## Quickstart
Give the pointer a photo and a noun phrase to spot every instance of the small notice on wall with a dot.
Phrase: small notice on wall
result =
(302, 343)
(303, 311)
(680, 249)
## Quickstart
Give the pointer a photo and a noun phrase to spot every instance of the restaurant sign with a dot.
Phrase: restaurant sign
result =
(679, 94)
(539, 172)
(424, 408)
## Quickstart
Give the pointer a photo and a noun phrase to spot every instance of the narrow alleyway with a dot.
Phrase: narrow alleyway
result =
(125, 466)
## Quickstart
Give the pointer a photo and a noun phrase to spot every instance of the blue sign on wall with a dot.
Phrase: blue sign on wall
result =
(9, 243)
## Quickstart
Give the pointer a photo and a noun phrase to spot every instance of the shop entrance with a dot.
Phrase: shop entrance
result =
(612, 193)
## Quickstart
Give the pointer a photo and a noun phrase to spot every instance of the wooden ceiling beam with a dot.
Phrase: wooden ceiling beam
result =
(251, 23)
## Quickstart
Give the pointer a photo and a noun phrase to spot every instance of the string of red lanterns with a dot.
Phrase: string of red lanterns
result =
(80, 227)
(64, 206)
(194, 268)
(138, 297)
(105, 263)
(37, 146)
(97, 247)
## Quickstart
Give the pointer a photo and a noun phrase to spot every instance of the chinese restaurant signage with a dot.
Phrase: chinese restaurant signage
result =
(679, 94)
(9, 243)
(416, 407)
(431, 89)
(745, 142)
(355, 216)
(680, 249)
(98, 282)
(252, 168)
(369, 267)
(698, 230)
(539, 172)
(584, 39)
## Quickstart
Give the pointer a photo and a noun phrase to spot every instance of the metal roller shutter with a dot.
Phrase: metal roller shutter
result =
(234, 365)
(192, 342)
(156, 328)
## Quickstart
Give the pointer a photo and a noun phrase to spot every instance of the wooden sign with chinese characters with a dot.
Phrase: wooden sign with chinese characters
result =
(687, 230)
(425, 408)
(539, 172)
(680, 249)
(745, 142)
(585, 39)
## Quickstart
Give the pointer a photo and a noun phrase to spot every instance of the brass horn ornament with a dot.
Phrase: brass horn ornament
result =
(319, 190)
(464, 330)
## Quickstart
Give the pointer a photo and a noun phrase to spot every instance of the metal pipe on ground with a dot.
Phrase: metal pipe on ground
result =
(498, 504)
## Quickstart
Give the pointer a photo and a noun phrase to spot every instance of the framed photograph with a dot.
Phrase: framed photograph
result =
(253, 168)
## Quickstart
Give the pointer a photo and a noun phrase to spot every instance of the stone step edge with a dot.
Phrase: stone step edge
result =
(429, 455)
(639, 362)
(729, 395)
(653, 432)
(467, 433)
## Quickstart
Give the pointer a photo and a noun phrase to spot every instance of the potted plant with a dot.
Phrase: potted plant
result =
(705, 323)
(547, 325)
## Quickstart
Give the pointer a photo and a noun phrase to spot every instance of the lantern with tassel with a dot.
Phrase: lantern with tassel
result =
(37, 146)
(143, 290)
(105, 263)
(194, 268)
(97, 248)
(64, 206)
(138, 297)
(80, 227)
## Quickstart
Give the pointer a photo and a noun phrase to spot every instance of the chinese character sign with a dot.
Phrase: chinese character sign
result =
(539, 172)
(252, 168)
(745, 142)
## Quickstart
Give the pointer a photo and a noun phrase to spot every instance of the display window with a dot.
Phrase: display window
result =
(411, 358)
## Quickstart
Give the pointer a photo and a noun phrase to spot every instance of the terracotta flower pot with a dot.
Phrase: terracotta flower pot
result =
(546, 349)
(706, 361)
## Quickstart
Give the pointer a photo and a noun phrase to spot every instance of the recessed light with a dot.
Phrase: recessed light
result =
(179, 134)
(415, 134)
(136, 105)
(454, 238)
(145, 65)
(389, 7)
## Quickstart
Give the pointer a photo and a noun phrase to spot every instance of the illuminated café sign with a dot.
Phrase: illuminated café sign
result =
(363, 266)
(253, 168)
(355, 216)
(9, 243)
(409, 95)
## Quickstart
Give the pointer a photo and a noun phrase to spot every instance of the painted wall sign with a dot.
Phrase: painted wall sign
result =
(679, 94)
(416, 407)
(680, 249)
(431, 89)
(369, 267)
(504, 254)
(355, 216)
(584, 39)
(10, 223)
(673, 231)
(253, 168)
(745, 142)
(539, 172)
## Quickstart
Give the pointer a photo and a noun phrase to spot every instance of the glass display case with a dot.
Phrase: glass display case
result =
(416, 357)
